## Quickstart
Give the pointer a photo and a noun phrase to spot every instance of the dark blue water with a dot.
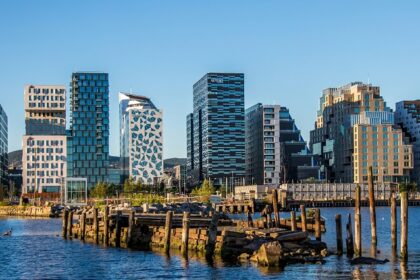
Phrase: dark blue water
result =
(35, 251)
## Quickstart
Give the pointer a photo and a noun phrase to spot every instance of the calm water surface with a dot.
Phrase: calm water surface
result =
(35, 251)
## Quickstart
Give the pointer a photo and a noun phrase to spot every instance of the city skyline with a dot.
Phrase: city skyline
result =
(284, 60)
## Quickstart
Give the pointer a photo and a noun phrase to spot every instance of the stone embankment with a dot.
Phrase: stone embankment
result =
(28, 211)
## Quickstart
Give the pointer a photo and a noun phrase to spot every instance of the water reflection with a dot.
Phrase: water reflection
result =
(35, 251)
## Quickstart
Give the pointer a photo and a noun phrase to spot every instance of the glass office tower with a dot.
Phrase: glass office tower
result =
(88, 137)
(218, 125)
(3, 148)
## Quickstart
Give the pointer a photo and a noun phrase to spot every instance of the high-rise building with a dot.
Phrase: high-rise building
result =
(141, 138)
(190, 145)
(275, 149)
(88, 136)
(354, 130)
(3, 148)
(44, 143)
(407, 116)
(217, 142)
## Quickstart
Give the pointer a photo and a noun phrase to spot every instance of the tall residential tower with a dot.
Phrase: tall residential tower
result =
(3, 148)
(141, 139)
(216, 129)
(275, 150)
(354, 130)
(44, 143)
(88, 137)
(407, 115)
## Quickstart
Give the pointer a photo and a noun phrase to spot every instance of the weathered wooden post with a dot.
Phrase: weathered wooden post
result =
(185, 233)
(339, 234)
(168, 227)
(318, 224)
(131, 221)
(275, 202)
(404, 225)
(212, 236)
(96, 224)
(65, 222)
(83, 225)
(70, 224)
(253, 205)
(357, 224)
(393, 224)
(118, 229)
(293, 220)
(303, 217)
(372, 210)
(269, 219)
(250, 222)
(106, 226)
(349, 239)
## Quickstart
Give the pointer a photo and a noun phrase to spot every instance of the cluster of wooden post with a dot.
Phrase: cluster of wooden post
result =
(67, 227)
(356, 248)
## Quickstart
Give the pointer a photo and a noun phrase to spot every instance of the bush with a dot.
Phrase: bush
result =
(139, 198)
(205, 190)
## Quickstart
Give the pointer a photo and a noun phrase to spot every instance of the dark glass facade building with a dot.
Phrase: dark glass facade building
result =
(88, 137)
(3, 148)
(216, 134)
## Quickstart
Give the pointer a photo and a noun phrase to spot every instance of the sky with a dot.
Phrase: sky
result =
(289, 51)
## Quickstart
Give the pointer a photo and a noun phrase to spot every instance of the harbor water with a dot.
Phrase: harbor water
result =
(36, 251)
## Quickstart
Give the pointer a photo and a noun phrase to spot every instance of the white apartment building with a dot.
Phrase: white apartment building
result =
(44, 151)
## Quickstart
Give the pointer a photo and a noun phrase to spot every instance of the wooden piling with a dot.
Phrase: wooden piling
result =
(70, 224)
(393, 224)
(275, 203)
(65, 222)
(357, 224)
(212, 236)
(349, 239)
(118, 229)
(185, 233)
(96, 225)
(339, 234)
(404, 225)
(269, 219)
(168, 227)
(250, 222)
(303, 217)
(106, 226)
(293, 220)
(83, 225)
(253, 205)
(372, 210)
(131, 221)
(318, 224)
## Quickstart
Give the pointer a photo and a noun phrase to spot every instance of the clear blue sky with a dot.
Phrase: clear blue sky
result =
(288, 50)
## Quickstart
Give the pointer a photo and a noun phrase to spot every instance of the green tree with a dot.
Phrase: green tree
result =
(101, 190)
(408, 187)
(206, 189)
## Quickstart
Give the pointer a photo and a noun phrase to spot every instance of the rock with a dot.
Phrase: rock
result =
(324, 253)
(291, 245)
(366, 260)
(318, 246)
(269, 254)
(294, 236)
(244, 257)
